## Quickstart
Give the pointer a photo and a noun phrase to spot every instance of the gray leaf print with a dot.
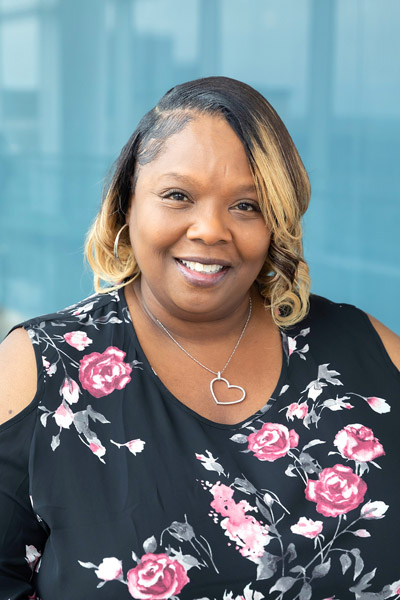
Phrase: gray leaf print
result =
(306, 591)
(359, 563)
(239, 438)
(283, 584)
(363, 584)
(322, 569)
(150, 545)
(267, 566)
(55, 441)
(345, 561)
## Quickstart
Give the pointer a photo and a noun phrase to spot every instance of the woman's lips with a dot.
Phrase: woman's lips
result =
(200, 278)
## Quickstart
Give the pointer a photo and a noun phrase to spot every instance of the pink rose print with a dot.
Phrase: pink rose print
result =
(243, 529)
(337, 491)
(97, 449)
(157, 577)
(358, 443)
(297, 410)
(70, 390)
(64, 416)
(77, 339)
(109, 569)
(379, 405)
(272, 441)
(307, 527)
(101, 374)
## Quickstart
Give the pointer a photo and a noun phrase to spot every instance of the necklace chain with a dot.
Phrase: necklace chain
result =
(218, 373)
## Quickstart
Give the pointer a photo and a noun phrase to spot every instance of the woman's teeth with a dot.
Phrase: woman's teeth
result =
(200, 268)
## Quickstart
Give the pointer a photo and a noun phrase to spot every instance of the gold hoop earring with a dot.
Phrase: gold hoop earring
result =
(117, 241)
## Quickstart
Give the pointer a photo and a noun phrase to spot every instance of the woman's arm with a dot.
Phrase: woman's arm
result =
(22, 537)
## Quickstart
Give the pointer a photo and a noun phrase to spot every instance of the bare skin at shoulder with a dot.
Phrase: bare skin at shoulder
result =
(18, 374)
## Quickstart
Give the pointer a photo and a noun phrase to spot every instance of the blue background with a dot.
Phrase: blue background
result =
(76, 76)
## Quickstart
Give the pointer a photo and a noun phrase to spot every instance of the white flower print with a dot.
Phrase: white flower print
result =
(78, 339)
(32, 556)
(379, 405)
(307, 527)
(374, 510)
(109, 569)
(64, 417)
(70, 390)
(248, 594)
(134, 446)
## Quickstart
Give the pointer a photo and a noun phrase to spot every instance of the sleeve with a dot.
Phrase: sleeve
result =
(22, 536)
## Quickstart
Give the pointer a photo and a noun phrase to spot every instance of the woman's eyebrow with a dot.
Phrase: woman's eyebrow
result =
(242, 189)
(185, 178)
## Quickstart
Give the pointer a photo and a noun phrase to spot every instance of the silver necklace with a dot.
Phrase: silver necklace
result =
(217, 373)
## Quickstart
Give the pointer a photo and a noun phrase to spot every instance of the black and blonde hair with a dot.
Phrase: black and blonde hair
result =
(280, 178)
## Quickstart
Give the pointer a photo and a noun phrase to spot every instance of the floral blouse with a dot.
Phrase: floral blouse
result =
(111, 488)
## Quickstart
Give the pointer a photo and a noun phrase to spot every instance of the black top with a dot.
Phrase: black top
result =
(112, 488)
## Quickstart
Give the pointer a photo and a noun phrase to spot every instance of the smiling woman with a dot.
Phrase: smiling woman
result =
(202, 426)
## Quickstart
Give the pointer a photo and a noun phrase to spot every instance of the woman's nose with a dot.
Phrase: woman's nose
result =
(210, 226)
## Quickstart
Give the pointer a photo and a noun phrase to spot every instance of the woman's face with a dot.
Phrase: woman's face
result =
(195, 225)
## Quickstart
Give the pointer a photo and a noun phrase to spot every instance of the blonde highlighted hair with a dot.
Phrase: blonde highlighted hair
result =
(280, 178)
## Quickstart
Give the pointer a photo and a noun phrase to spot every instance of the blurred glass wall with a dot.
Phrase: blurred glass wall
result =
(76, 76)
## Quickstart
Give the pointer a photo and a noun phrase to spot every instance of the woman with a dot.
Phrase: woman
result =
(203, 429)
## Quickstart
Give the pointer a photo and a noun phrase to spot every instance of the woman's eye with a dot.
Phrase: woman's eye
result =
(248, 207)
(178, 196)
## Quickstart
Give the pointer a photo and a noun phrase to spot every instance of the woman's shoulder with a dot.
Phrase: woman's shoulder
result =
(390, 340)
(322, 308)
(333, 314)
(39, 347)
(81, 314)
(326, 316)
(345, 325)
(18, 375)
(72, 324)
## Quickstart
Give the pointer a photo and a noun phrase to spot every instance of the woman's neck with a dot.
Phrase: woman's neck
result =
(195, 327)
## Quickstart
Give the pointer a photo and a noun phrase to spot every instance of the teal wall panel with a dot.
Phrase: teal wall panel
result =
(76, 76)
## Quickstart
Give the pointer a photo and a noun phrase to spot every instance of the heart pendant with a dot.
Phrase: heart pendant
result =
(237, 387)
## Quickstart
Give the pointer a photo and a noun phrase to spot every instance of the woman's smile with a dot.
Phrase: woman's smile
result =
(202, 273)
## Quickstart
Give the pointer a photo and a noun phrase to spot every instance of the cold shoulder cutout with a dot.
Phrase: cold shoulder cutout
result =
(18, 374)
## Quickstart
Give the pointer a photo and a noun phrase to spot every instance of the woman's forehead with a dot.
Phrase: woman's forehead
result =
(206, 146)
